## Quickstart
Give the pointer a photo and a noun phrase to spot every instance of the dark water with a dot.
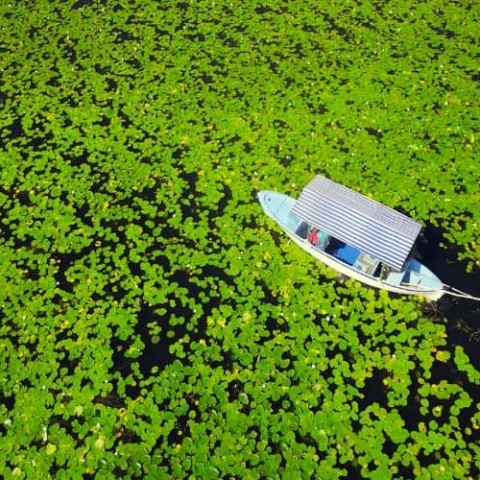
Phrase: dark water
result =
(462, 315)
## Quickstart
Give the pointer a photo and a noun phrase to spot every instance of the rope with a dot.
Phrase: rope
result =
(447, 289)
(455, 292)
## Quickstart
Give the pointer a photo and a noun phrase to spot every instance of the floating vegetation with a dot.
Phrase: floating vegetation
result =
(154, 322)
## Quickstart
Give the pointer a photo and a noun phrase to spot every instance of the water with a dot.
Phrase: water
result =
(462, 315)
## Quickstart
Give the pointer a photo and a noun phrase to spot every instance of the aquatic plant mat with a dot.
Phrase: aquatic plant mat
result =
(154, 322)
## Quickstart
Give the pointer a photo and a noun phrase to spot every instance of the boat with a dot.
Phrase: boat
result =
(357, 236)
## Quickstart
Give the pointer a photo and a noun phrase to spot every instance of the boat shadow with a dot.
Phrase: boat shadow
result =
(462, 315)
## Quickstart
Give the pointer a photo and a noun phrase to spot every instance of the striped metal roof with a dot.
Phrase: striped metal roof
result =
(361, 222)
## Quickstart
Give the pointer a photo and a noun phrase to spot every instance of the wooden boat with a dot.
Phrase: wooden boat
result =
(355, 235)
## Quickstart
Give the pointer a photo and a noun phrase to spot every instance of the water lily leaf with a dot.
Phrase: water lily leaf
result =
(51, 449)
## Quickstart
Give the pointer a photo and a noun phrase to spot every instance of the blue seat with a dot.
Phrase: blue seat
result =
(347, 254)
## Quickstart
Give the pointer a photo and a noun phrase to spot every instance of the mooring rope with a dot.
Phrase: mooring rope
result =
(455, 292)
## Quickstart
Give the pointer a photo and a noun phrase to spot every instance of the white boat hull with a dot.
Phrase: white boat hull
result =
(424, 282)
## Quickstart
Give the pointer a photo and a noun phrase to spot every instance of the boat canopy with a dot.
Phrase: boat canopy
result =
(361, 222)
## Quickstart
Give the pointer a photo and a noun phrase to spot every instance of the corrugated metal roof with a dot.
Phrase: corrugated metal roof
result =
(361, 222)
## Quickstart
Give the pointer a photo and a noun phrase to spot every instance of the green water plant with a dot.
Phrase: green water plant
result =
(155, 324)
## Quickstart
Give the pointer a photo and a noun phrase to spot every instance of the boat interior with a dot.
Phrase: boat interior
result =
(361, 261)
(336, 248)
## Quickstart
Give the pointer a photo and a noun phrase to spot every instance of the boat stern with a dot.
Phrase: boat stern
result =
(416, 279)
